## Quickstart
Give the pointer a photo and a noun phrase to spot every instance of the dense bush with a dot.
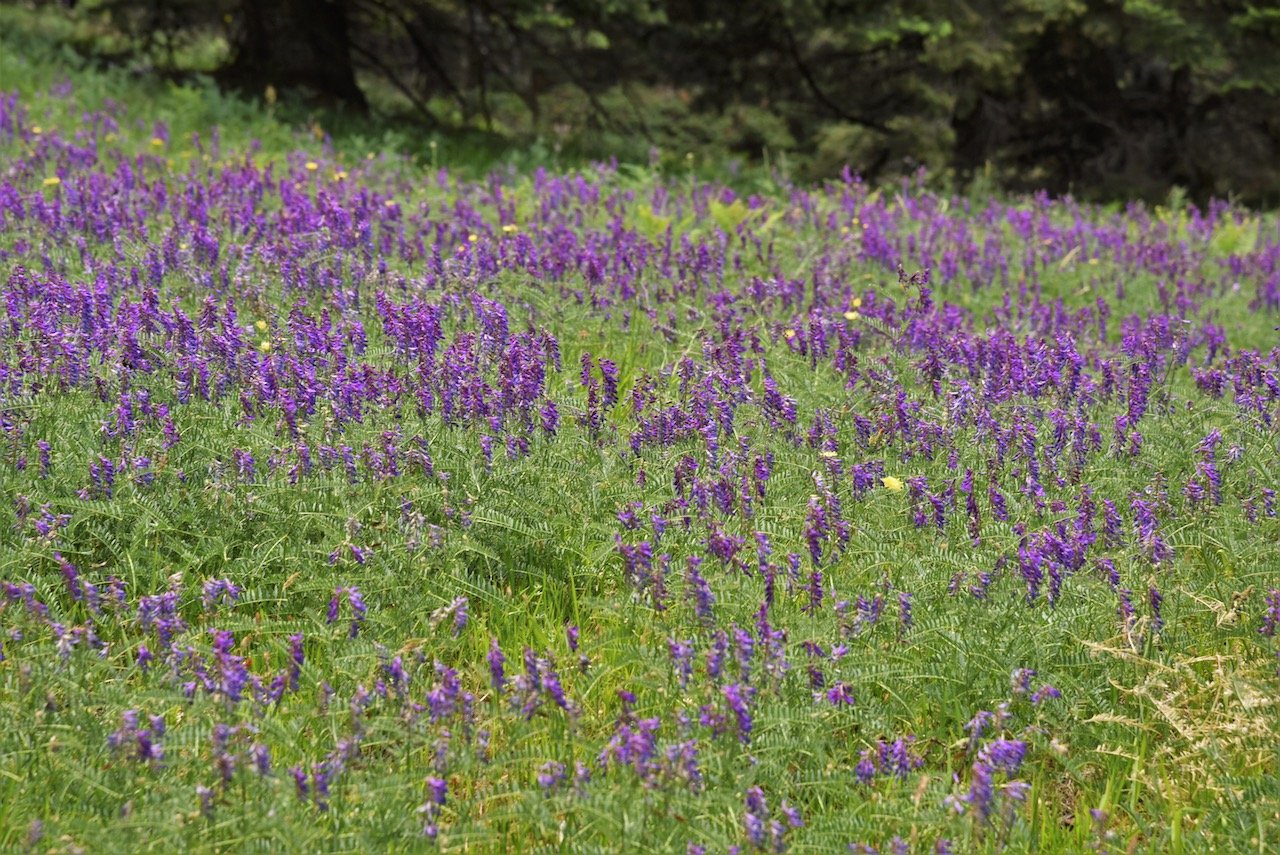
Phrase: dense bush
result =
(1103, 98)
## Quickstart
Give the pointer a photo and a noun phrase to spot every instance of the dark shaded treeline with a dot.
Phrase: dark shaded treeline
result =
(1103, 98)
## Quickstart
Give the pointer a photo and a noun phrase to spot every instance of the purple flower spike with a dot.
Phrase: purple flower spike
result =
(497, 676)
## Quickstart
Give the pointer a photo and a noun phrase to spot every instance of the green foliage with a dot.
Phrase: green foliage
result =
(1101, 98)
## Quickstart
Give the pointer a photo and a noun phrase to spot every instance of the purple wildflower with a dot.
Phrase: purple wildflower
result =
(496, 660)
(739, 698)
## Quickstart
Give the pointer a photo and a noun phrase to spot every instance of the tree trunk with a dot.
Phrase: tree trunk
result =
(295, 43)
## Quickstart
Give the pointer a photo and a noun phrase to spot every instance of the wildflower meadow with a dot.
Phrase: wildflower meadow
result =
(357, 503)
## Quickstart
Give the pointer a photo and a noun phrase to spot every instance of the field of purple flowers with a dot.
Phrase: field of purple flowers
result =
(359, 507)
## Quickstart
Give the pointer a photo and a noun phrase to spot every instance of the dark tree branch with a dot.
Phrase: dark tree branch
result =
(425, 54)
(556, 58)
(394, 79)
(794, 50)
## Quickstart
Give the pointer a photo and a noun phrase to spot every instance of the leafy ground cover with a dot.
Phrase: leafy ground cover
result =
(360, 507)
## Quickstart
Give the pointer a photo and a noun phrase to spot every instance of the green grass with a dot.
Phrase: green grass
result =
(1174, 735)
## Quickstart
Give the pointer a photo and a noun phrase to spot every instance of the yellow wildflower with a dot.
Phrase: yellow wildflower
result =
(472, 238)
(892, 484)
(312, 166)
(788, 334)
(52, 181)
(851, 316)
(265, 347)
(261, 325)
(157, 142)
